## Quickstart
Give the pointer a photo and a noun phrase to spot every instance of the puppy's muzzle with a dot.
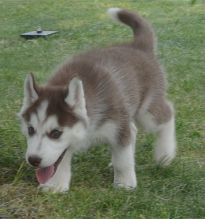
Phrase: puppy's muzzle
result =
(34, 161)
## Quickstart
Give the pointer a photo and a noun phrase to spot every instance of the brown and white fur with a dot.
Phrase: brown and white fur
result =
(100, 95)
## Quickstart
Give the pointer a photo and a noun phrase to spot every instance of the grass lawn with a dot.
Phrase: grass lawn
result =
(175, 192)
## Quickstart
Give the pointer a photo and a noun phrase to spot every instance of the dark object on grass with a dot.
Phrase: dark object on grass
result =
(38, 33)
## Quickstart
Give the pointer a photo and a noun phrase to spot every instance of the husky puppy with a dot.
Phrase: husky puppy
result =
(99, 95)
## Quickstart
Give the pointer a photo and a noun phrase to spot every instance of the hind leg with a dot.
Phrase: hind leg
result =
(123, 161)
(159, 118)
(165, 149)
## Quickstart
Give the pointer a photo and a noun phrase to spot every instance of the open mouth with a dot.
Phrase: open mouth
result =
(45, 173)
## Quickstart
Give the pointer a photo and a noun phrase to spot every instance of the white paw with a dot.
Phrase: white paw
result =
(53, 188)
(127, 181)
(124, 186)
(164, 159)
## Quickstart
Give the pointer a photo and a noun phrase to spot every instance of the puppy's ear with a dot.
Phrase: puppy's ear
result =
(76, 97)
(30, 89)
(30, 92)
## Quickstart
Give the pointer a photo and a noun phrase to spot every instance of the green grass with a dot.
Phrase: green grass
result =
(173, 193)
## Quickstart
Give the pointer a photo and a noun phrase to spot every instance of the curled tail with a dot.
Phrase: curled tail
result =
(143, 33)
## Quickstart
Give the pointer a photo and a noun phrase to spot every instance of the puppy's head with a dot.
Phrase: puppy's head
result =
(52, 119)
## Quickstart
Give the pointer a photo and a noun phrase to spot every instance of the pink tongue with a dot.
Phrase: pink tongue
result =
(44, 174)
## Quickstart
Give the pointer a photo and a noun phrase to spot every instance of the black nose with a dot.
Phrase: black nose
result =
(34, 161)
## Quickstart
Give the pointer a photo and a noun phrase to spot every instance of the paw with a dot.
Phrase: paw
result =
(54, 187)
(128, 182)
(124, 186)
(164, 160)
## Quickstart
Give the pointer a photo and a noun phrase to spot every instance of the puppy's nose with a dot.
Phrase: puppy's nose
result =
(34, 161)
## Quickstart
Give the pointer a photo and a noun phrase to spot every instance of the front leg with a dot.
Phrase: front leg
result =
(123, 161)
(60, 181)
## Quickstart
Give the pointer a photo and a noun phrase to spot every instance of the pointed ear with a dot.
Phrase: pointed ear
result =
(30, 92)
(30, 89)
(76, 97)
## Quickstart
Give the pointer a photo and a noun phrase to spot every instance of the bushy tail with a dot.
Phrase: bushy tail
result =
(143, 33)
